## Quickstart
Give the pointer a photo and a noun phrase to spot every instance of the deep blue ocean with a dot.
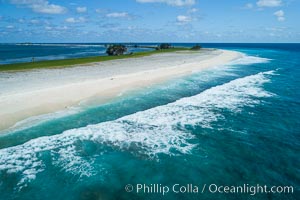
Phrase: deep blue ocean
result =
(231, 125)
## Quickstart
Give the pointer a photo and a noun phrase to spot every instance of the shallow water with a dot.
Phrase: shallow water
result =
(231, 125)
(19, 53)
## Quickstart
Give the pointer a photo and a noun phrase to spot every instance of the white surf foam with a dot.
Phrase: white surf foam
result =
(247, 60)
(69, 160)
(160, 130)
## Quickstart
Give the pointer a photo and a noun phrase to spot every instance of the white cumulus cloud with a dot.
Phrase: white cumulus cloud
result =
(193, 10)
(118, 15)
(40, 6)
(81, 9)
(269, 3)
(280, 15)
(75, 20)
(249, 6)
(170, 2)
(182, 19)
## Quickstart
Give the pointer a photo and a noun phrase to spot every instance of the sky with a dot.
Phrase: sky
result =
(149, 21)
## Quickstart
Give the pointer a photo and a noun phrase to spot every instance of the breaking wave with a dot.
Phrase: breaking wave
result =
(247, 60)
(146, 134)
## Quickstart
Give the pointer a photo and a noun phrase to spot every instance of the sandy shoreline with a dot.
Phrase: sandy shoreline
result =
(31, 93)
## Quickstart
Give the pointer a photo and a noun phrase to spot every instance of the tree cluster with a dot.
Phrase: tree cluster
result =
(164, 46)
(116, 49)
(196, 47)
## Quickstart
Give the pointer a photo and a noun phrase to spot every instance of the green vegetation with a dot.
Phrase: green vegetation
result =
(116, 50)
(164, 46)
(77, 61)
(196, 47)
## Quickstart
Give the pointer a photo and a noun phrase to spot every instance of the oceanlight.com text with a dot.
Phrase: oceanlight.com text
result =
(207, 188)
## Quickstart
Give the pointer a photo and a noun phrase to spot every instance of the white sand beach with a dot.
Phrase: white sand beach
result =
(36, 92)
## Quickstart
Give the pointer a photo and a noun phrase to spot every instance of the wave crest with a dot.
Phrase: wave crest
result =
(248, 60)
(150, 133)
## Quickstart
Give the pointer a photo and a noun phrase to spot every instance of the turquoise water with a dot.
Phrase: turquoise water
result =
(231, 125)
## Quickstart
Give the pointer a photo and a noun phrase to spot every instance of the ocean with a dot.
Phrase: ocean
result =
(234, 125)
(19, 53)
